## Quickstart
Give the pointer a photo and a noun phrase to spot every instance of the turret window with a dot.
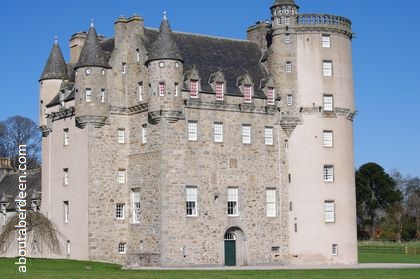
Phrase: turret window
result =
(121, 136)
(326, 41)
(88, 95)
(124, 68)
(141, 97)
(327, 68)
(287, 20)
(102, 95)
(219, 91)
(138, 54)
(144, 133)
(270, 96)
(176, 89)
(328, 173)
(66, 177)
(66, 138)
(247, 93)
(328, 103)
(161, 89)
(194, 88)
(66, 211)
(328, 138)
(329, 211)
(287, 38)
(290, 100)
(288, 67)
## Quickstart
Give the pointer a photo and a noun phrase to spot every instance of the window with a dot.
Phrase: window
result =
(270, 96)
(88, 94)
(119, 211)
(194, 88)
(326, 41)
(328, 138)
(66, 176)
(329, 211)
(123, 68)
(141, 97)
(219, 91)
(136, 205)
(288, 67)
(35, 205)
(287, 20)
(335, 249)
(102, 95)
(192, 130)
(328, 173)
(144, 133)
(233, 201)
(138, 55)
(66, 137)
(328, 103)
(176, 89)
(122, 247)
(287, 38)
(268, 136)
(246, 134)
(286, 144)
(161, 89)
(121, 135)
(191, 200)
(218, 131)
(66, 211)
(327, 68)
(68, 248)
(290, 100)
(247, 93)
(121, 176)
(271, 202)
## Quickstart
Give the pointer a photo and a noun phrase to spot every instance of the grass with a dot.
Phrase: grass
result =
(57, 269)
(377, 257)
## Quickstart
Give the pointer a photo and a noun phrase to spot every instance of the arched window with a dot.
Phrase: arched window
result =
(230, 236)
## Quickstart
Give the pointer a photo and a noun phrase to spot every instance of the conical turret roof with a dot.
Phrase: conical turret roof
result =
(92, 54)
(284, 2)
(165, 46)
(56, 67)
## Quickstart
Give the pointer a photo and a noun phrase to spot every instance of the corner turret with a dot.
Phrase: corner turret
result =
(165, 66)
(91, 78)
(55, 72)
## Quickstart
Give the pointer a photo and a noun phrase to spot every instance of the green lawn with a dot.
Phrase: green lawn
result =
(57, 269)
(377, 257)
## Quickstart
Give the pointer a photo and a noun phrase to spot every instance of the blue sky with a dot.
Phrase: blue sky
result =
(386, 56)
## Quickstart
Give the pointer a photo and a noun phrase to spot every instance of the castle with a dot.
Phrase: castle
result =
(174, 149)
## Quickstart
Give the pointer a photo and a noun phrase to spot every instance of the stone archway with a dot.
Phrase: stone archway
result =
(234, 247)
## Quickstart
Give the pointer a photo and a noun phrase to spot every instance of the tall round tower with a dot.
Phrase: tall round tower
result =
(55, 72)
(165, 71)
(310, 60)
(91, 100)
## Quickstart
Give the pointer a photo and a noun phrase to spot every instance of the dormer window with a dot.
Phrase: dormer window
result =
(219, 91)
(270, 96)
(247, 93)
(194, 88)
(161, 89)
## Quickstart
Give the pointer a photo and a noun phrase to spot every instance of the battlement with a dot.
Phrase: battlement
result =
(317, 21)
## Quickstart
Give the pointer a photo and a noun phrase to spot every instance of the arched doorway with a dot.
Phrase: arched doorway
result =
(234, 247)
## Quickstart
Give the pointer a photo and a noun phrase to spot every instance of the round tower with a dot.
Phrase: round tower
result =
(55, 72)
(165, 66)
(310, 60)
(92, 106)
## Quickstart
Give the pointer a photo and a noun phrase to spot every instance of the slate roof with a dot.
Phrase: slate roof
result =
(56, 66)
(210, 54)
(92, 54)
(9, 187)
(68, 88)
(164, 45)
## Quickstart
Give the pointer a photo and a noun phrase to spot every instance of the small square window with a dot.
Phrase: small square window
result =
(328, 173)
(288, 67)
(246, 134)
(326, 41)
(192, 131)
(327, 68)
(162, 89)
(290, 100)
(268, 136)
(329, 211)
(328, 103)
(121, 136)
(122, 247)
(121, 176)
(328, 138)
(218, 131)
(119, 211)
(335, 249)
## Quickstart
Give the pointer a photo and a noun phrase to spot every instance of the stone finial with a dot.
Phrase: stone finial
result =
(56, 40)
(165, 15)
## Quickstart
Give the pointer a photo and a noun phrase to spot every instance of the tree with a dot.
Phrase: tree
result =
(16, 131)
(375, 191)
